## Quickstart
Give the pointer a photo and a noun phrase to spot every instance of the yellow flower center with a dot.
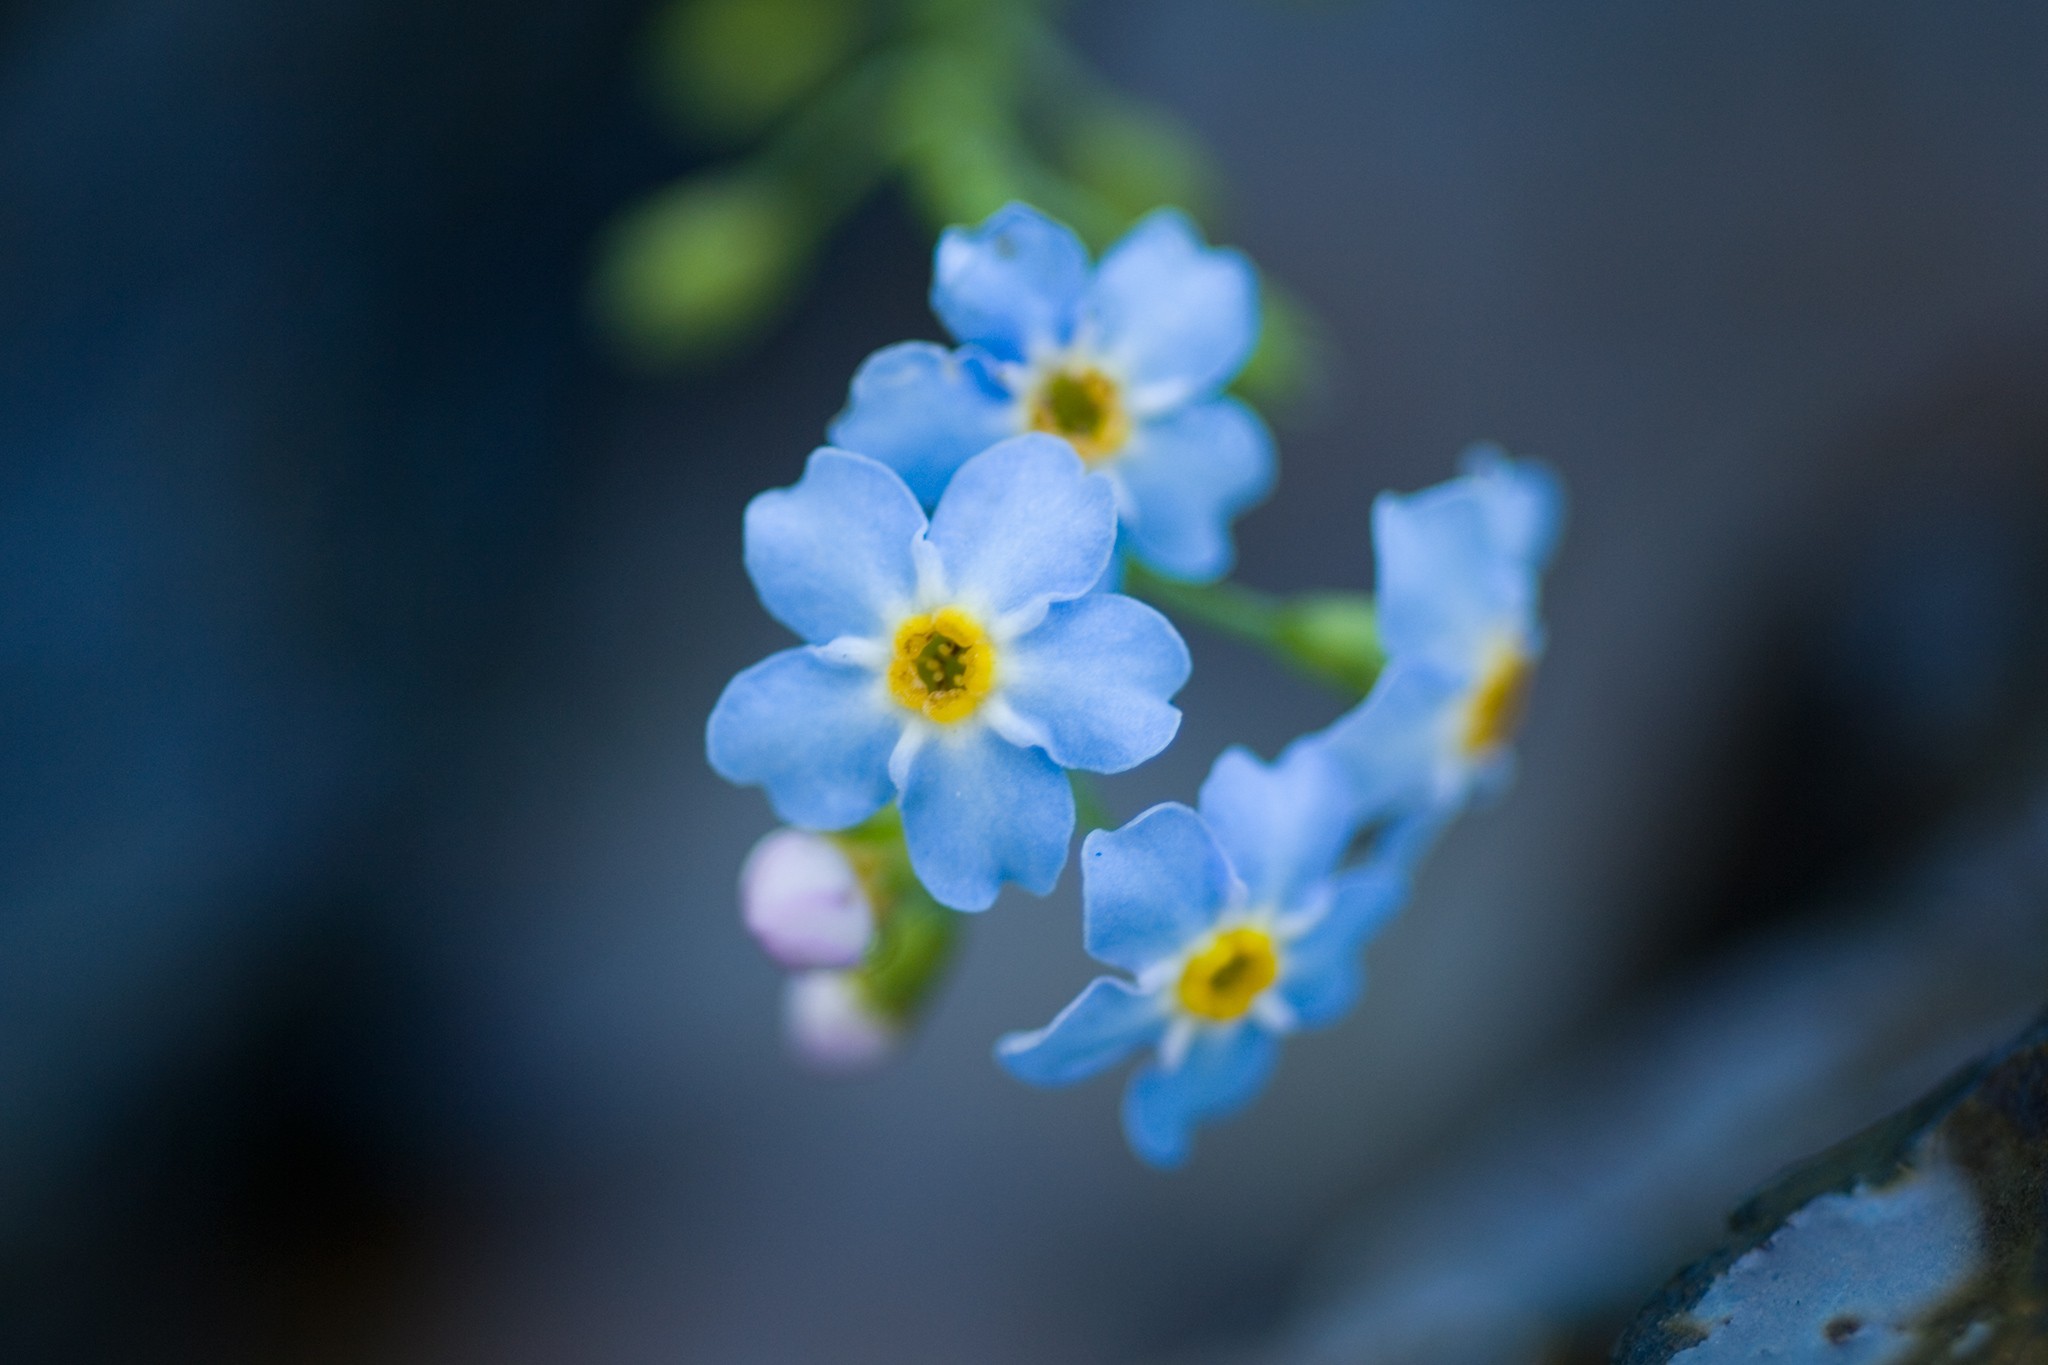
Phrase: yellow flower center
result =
(1083, 406)
(1494, 711)
(943, 665)
(1222, 980)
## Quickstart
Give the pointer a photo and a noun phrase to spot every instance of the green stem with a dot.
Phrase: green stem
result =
(1332, 637)
(1227, 608)
(1090, 810)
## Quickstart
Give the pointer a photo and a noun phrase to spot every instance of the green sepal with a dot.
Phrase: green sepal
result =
(914, 934)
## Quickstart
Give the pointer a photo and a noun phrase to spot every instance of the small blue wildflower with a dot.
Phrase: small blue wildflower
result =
(1458, 573)
(956, 664)
(1236, 929)
(1127, 361)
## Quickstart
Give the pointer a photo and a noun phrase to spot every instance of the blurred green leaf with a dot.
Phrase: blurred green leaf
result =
(965, 177)
(950, 125)
(700, 266)
(732, 67)
(1134, 160)
(1288, 363)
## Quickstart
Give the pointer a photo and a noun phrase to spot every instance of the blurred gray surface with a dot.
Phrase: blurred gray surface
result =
(1594, 1179)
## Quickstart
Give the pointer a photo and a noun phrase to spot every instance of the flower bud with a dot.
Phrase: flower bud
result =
(803, 901)
(831, 1026)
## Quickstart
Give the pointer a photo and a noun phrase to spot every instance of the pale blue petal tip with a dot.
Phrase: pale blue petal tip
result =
(978, 811)
(924, 411)
(1524, 502)
(1095, 678)
(1387, 747)
(1223, 1072)
(831, 553)
(1104, 1024)
(1024, 522)
(1283, 825)
(1187, 476)
(811, 733)
(1180, 317)
(1010, 285)
(1147, 889)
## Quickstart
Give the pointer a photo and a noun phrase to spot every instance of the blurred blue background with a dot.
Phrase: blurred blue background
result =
(371, 986)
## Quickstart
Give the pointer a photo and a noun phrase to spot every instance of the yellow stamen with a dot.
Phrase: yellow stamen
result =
(1085, 407)
(943, 666)
(1227, 974)
(1494, 711)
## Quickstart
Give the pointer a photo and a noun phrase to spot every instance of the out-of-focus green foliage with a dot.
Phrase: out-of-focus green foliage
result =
(730, 68)
(1134, 159)
(1332, 637)
(964, 104)
(695, 268)
(1287, 365)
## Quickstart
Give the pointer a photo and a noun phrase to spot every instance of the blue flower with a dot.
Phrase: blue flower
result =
(1459, 567)
(956, 664)
(1126, 361)
(1236, 930)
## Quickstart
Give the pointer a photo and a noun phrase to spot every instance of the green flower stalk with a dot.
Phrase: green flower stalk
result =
(1332, 637)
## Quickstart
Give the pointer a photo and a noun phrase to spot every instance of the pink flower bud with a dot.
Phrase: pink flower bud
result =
(803, 901)
(831, 1027)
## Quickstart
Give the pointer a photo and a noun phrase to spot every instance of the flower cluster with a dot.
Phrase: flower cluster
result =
(1233, 920)
(949, 566)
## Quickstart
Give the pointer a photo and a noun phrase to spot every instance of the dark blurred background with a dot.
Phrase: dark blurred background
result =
(371, 986)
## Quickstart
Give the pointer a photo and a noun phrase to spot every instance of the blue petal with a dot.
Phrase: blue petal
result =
(1322, 988)
(1148, 889)
(1010, 285)
(1095, 678)
(1283, 827)
(1391, 746)
(1186, 476)
(923, 410)
(1523, 500)
(979, 811)
(1222, 1072)
(831, 555)
(1177, 317)
(1444, 585)
(1023, 523)
(1322, 973)
(816, 734)
(1406, 837)
(1105, 1023)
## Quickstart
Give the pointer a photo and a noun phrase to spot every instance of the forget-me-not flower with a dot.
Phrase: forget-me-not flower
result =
(957, 665)
(1458, 571)
(1126, 360)
(1236, 929)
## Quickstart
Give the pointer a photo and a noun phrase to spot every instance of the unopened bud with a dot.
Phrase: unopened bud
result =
(831, 1026)
(803, 901)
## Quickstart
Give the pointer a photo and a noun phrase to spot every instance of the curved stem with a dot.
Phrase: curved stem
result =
(1332, 637)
